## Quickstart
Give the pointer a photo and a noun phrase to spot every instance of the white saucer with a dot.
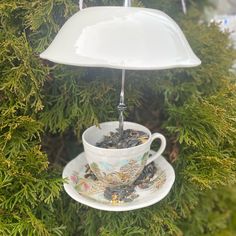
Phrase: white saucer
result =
(91, 192)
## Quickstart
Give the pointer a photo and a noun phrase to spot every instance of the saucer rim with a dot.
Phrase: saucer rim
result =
(118, 208)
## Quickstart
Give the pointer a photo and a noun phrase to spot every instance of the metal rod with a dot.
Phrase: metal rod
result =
(80, 5)
(127, 3)
(121, 107)
(122, 92)
(184, 6)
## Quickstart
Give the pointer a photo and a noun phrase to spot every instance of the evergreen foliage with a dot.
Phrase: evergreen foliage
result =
(44, 107)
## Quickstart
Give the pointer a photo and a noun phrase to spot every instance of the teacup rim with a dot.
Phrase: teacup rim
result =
(121, 149)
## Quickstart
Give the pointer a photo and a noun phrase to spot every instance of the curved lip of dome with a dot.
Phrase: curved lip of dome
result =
(190, 61)
(194, 63)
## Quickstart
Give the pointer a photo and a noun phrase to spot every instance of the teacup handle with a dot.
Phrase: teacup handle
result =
(161, 149)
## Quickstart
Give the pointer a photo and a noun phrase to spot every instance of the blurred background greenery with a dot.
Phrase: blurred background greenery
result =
(44, 108)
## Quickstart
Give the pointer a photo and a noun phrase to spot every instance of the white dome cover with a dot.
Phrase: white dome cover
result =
(122, 38)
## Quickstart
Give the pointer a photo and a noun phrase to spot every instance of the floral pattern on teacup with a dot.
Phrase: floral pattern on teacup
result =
(127, 169)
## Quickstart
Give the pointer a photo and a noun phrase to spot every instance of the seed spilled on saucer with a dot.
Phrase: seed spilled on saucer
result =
(128, 193)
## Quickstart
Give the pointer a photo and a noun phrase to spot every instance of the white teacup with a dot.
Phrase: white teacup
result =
(117, 167)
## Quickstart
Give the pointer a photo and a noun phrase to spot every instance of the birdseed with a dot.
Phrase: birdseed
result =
(130, 138)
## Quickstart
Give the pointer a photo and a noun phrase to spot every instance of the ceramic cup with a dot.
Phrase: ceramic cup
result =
(116, 167)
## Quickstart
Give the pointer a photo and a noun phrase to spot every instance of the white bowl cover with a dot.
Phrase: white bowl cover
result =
(122, 38)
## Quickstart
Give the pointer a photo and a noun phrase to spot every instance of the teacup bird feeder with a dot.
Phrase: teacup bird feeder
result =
(126, 38)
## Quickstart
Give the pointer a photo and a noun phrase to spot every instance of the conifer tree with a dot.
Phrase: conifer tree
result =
(44, 108)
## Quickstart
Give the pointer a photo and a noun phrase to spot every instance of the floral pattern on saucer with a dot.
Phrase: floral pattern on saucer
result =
(95, 188)
(86, 189)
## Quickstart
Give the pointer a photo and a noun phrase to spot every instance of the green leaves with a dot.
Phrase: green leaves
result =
(75, 102)
(206, 129)
(195, 108)
(210, 171)
(25, 182)
(22, 75)
(201, 124)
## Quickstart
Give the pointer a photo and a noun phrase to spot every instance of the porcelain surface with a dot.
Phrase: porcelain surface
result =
(91, 192)
(117, 167)
(122, 38)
